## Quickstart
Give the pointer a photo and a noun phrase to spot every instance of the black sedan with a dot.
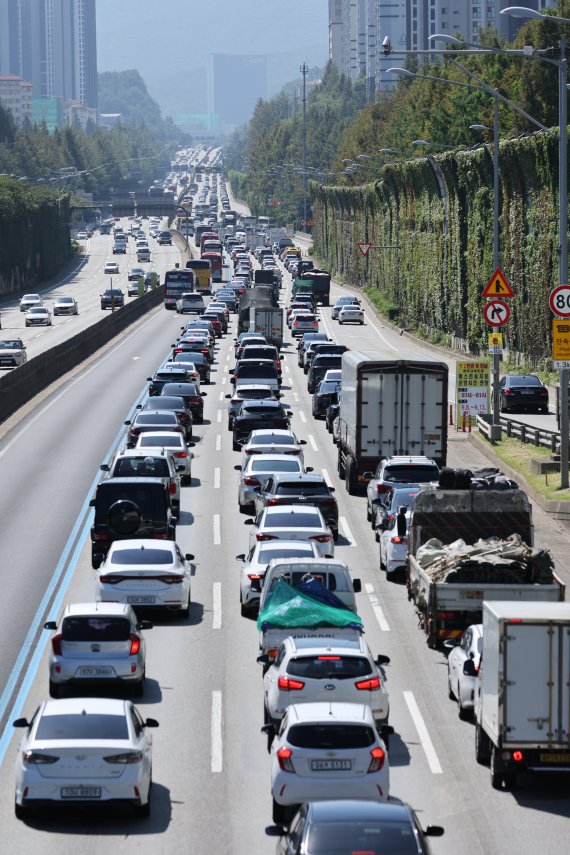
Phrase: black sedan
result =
(159, 380)
(286, 489)
(191, 395)
(255, 415)
(326, 394)
(523, 392)
(172, 404)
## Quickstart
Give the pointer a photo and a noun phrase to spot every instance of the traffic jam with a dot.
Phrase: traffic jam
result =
(460, 541)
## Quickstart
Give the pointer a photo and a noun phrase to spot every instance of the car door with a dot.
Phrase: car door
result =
(266, 491)
(457, 658)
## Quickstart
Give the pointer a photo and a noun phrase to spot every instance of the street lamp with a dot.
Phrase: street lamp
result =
(432, 144)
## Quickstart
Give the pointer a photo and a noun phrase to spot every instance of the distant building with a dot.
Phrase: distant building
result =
(235, 84)
(48, 111)
(79, 116)
(110, 120)
(16, 96)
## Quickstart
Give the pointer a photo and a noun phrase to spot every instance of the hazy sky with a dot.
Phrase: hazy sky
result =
(167, 39)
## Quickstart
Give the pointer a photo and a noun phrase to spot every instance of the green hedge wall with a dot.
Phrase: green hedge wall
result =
(34, 235)
(432, 219)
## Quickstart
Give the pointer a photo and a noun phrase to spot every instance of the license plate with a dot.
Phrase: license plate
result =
(141, 601)
(554, 758)
(81, 792)
(95, 671)
(331, 765)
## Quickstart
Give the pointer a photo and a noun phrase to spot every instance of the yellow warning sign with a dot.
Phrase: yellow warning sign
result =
(560, 339)
(497, 286)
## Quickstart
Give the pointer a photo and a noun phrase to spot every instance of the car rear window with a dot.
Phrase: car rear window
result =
(328, 666)
(302, 519)
(143, 467)
(328, 388)
(256, 371)
(82, 726)
(167, 417)
(256, 352)
(95, 628)
(163, 440)
(368, 836)
(302, 489)
(331, 736)
(254, 394)
(419, 474)
(265, 555)
(324, 361)
(141, 556)
(331, 581)
(268, 439)
(262, 465)
(167, 402)
(524, 381)
(261, 407)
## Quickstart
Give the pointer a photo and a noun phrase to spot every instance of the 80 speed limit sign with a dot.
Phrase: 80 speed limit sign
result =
(559, 301)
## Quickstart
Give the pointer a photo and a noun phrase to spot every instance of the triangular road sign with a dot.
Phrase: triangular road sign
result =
(497, 286)
(364, 248)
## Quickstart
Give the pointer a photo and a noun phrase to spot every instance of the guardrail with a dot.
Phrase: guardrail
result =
(22, 383)
(535, 436)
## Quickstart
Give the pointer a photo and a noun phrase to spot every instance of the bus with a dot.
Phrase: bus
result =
(203, 272)
(199, 231)
(215, 259)
(178, 281)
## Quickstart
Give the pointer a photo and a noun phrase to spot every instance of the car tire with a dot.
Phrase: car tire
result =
(21, 811)
(235, 445)
(138, 688)
(335, 534)
(499, 778)
(279, 813)
(340, 468)
(464, 714)
(143, 811)
(368, 513)
(185, 612)
(482, 746)
(350, 479)
(55, 690)
(450, 692)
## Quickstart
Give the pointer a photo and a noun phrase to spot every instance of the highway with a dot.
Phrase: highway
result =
(211, 773)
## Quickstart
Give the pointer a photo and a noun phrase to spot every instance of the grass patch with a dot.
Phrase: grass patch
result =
(518, 455)
(382, 303)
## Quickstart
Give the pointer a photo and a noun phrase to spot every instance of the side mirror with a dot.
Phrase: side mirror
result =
(50, 624)
(289, 412)
(21, 722)
(309, 469)
(368, 475)
(189, 556)
(144, 624)
(149, 379)
(268, 729)
(249, 522)
(240, 557)
(434, 831)
(104, 467)
(191, 445)
(332, 489)
(204, 394)
(302, 442)
(469, 668)
(97, 560)
(151, 722)
(450, 643)
(357, 586)
(263, 659)
(128, 422)
(237, 467)
(382, 660)
(139, 407)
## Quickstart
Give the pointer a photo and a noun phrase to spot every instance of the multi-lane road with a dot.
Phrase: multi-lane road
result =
(211, 771)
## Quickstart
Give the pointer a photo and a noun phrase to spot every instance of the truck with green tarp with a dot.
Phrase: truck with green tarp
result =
(315, 282)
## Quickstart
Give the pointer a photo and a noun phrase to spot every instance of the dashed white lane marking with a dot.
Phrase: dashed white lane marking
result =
(346, 531)
(376, 607)
(219, 416)
(217, 605)
(327, 478)
(216, 762)
(217, 478)
(217, 530)
(287, 369)
(314, 445)
(228, 357)
(423, 733)
(221, 398)
(219, 442)
(224, 380)
(302, 416)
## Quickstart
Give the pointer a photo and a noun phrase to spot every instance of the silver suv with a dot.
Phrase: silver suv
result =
(398, 470)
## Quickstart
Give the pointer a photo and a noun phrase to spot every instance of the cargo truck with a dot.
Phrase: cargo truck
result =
(522, 699)
(268, 322)
(316, 282)
(467, 546)
(391, 404)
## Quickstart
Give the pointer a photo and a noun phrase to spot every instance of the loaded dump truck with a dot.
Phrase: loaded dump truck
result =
(470, 545)
(391, 404)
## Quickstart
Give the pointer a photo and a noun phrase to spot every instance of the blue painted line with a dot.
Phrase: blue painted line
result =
(32, 669)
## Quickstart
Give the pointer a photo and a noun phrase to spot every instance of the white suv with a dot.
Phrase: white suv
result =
(326, 751)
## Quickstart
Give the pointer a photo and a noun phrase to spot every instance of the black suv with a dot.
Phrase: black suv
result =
(112, 296)
(255, 415)
(128, 508)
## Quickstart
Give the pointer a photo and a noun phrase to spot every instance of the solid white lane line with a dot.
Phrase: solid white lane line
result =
(346, 530)
(425, 738)
(314, 445)
(216, 732)
(219, 416)
(219, 442)
(327, 478)
(217, 530)
(302, 416)
(376, 607)
(217, 478)
(217, 605)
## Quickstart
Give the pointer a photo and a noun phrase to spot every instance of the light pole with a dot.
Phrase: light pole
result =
(304, 70)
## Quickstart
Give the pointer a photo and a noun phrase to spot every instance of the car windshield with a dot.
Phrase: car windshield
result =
(329, 667)
(331, 736)
(65, 299)
(146, 555)
(265, 464)
(81, 726)
(143, 467)
(95, 628)
(161, 440)
(11, 344)
(38, 310)
(370, 836)
(301, 519)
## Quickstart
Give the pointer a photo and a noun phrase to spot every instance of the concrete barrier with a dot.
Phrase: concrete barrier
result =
(21, 384)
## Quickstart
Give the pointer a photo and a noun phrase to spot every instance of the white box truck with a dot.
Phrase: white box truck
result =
(522, 701)
(391, 403)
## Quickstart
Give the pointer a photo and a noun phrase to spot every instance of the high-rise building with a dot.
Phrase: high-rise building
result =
(53, 45)
(16, 96)
(235, 84)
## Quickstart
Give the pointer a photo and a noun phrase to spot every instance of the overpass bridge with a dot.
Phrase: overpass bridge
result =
(163, 205)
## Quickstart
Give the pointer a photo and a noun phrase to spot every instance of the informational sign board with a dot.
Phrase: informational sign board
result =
(561, 342)
(473, 390)
(495, 343)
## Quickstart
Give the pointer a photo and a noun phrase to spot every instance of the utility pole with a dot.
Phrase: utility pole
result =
(304, 69)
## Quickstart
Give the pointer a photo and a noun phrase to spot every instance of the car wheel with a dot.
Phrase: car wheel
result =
(235, 445)
(335, 534)
(464, 714)
(21, 811)
(482, 746)
(450, 693)
(340, 468)
(499, 779)
(143, 810)
(185, 612)
(55, 689)
(350, 479)
(138, 688)
(279, 813)
(368, 513)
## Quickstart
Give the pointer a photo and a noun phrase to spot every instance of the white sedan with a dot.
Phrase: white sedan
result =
(278, 441)
(79, 751)
(462, 686)
(37, 316)
(149, 574)
(350, 314)
(29, 300)
(65, 306)
(394, 546)
(111, 267)
(255, 564)
(292, 522)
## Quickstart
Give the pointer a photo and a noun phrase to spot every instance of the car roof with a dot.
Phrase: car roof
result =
(265, 432)
(97, 608)
(330, 712)
(300, 477)
(80, 706)
(142, 543)
(359, 809)
(294, 510)
(344, 646)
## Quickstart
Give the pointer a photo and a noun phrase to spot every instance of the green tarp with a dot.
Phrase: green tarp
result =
(288, 607)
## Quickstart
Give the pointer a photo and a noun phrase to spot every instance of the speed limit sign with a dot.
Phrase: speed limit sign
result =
(559, 301)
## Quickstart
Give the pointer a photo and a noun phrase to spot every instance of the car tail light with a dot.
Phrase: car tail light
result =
(328, 502)
(127, 758)
(37, 758)
(446, 615)
(293, 451)
(289, 685)
(250, 481)
(260, 536)
(273, 501)
(135, 645)
(160, 536)
(398, 539)
(322, 538)
(195, 399)
(518, 756)
(181, 454)
(284, 759)
(109, 579)
(56, 644)
(100, 535)
(135, 431)
(368, 685)
(383, 488)
(173, 579)
(509, 392)
(378, 756)
(204, 351)
(172, 489)
(254, 576)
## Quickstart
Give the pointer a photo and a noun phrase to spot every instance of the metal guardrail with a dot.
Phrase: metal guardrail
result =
(526, 433)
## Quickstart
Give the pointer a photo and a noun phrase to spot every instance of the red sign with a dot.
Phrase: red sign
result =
(496, 313)
(497, 286)
(364, 248)
(559, 301)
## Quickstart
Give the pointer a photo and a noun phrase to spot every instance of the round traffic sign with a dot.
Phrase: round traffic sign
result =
(496, 313)
(559, 301)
